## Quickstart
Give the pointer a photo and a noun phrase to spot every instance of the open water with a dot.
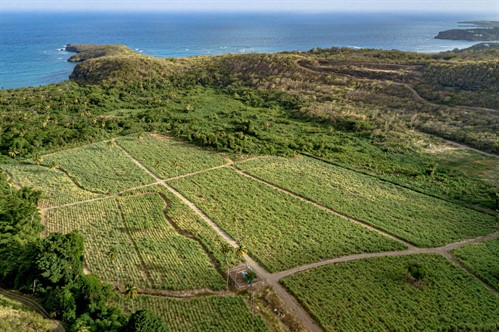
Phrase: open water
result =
(31, 44)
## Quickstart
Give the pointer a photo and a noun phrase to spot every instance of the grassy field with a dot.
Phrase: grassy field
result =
(102, 168)
(188, 221)
(15, 317)
(279, 230)
(482, 259)
(169, 158)
(201, 314)
(56, 187)
(377, 295)
(150, 252)
(417, 218)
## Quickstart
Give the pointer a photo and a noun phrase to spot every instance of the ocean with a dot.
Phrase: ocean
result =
(32, 54)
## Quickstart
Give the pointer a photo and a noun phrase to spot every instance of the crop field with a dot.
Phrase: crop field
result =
(168, 158)
(188, 221)
(15, 317)
(420, 219)
(149, 251)
(280, 231)
(56, 187)
(482, 259)
(201, 314)
(378, 295)
(101, 168)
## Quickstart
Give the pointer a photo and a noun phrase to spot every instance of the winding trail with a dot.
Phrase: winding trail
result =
(444, 251)
(35, 306)
(419, 98)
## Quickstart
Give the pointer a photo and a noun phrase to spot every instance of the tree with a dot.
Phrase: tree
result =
(417, 271)
(226, 250)
(59, 258)
(130, 293)
(241, 251)
(145, 321)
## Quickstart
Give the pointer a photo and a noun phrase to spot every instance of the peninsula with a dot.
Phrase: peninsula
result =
(481, 31)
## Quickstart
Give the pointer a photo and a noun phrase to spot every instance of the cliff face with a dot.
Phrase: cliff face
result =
(489, 34)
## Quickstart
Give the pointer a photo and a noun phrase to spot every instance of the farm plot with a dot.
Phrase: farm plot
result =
(147, 248)
(201, 314)
(189, 222)
(279, 230)
(168, 158)
(482, 259)
(56, 187)
(102, 168)
(378, 295)
(420, 219)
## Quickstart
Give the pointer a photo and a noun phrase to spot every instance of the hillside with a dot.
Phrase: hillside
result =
(478, 34)
(133, 192)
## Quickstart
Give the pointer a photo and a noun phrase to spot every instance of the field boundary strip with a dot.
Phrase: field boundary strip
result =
(366, 173)
(317, 205)
(287, 298)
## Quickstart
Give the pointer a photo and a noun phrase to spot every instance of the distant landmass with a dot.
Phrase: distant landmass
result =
(481, 31)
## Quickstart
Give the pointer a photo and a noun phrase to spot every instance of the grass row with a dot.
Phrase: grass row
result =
(169, 158)
(378, 295)
(482, 259)
(149, 251)
(423, 220)
(56, 187)
(279, 230)
(201, 314)
(101, 167)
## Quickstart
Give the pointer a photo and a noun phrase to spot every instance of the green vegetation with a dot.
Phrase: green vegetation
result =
(482, 259)
(168, 158)
(418, 218)
(102, 168)
(149, 251)
(376, 295)
(56, 187)
(268, 221)
(190, 224)
(16, 317)
(362, 111)
(479, 34)
(145, 321)
(202, 314)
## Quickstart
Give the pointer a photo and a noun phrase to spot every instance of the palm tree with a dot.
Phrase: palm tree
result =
(130, 293)
(38, 160)
(226, 250)
(241, 251)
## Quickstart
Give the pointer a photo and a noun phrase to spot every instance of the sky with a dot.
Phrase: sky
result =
(486, 6)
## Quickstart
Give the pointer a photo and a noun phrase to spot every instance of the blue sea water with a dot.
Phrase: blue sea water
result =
(31, 43)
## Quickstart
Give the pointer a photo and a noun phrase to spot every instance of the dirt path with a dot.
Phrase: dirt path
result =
(287, 298)
(35, 306)
(444, 251)
(419, 98)
(273, 279)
